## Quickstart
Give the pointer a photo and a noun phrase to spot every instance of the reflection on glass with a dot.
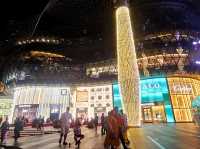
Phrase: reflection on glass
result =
(147, 114)
(158, 113)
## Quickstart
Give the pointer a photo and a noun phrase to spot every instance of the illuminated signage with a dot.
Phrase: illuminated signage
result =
(154, 85)
(153, 90)
(182, 88)
(151, 86)
(5, 106)
(82, 96)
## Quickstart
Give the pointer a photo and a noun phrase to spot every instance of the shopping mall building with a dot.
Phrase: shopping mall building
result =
(163, 99)
(77, 67)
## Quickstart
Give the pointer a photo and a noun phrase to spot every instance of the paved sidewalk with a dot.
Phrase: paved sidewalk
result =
(149, 136)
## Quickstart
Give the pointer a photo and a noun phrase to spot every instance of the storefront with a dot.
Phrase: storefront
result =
(155, 100)
(28, 111)
(183, 90)
(46, 101)
(93, 99)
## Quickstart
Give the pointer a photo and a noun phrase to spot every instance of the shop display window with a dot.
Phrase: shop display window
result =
(183, 91)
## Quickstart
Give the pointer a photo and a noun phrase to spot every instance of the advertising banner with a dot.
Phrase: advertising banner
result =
(5, 106)
(82, 96)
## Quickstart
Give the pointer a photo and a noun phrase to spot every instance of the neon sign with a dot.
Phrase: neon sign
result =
(182, 88)
(151, 86)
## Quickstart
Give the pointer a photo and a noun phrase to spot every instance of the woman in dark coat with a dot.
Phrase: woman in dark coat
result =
(4, 129)
(19, 124)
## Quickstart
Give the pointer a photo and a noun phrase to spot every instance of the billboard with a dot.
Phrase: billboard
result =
(5, 107)
(82, 95)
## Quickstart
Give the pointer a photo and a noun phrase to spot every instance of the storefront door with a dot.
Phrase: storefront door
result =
(158, 113)
(154, 113)
(147, 114)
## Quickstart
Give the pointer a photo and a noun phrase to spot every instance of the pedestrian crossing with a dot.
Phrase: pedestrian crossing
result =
(50, 141)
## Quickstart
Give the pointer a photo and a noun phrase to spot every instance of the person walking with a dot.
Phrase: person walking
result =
(103, 124)
(112, 139)
(96, 122)
(120, 121)
(19, 124)
(78, 136)
(4, 130)
(125, 127)
(65, 119)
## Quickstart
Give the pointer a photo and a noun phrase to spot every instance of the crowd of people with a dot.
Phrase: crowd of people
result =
(114, 126)
(18, 127)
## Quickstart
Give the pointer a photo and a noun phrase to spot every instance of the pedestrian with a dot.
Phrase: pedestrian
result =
(112, 139)
(65, 119)
(103, 124)
(78, 136)
(4, 130)
(196, 117)
(120, 121)
(96, 122)
(125, 127)
(19, 124)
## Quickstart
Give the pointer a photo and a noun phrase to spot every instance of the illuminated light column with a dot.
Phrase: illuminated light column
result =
(128, 73)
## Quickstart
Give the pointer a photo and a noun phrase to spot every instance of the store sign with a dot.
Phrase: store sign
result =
(151, 86)
(182, 88)
(5, 106)
(154, 85)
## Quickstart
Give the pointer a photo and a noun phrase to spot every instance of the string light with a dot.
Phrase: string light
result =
(128, 73)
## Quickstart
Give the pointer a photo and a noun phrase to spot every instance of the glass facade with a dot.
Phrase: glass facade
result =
(155, 91)
(45, 97)
(183, 91)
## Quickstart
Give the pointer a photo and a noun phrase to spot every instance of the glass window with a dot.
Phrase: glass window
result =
(99, 89)
(107, 89)
(99, 97)
(92, 97)
(107, 97)
(108, 105)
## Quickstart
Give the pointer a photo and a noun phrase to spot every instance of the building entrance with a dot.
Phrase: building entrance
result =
(154, 113)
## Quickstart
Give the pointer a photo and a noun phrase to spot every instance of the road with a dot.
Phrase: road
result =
(149, 136)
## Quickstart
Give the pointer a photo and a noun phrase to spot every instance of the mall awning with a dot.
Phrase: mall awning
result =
(196, 102)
